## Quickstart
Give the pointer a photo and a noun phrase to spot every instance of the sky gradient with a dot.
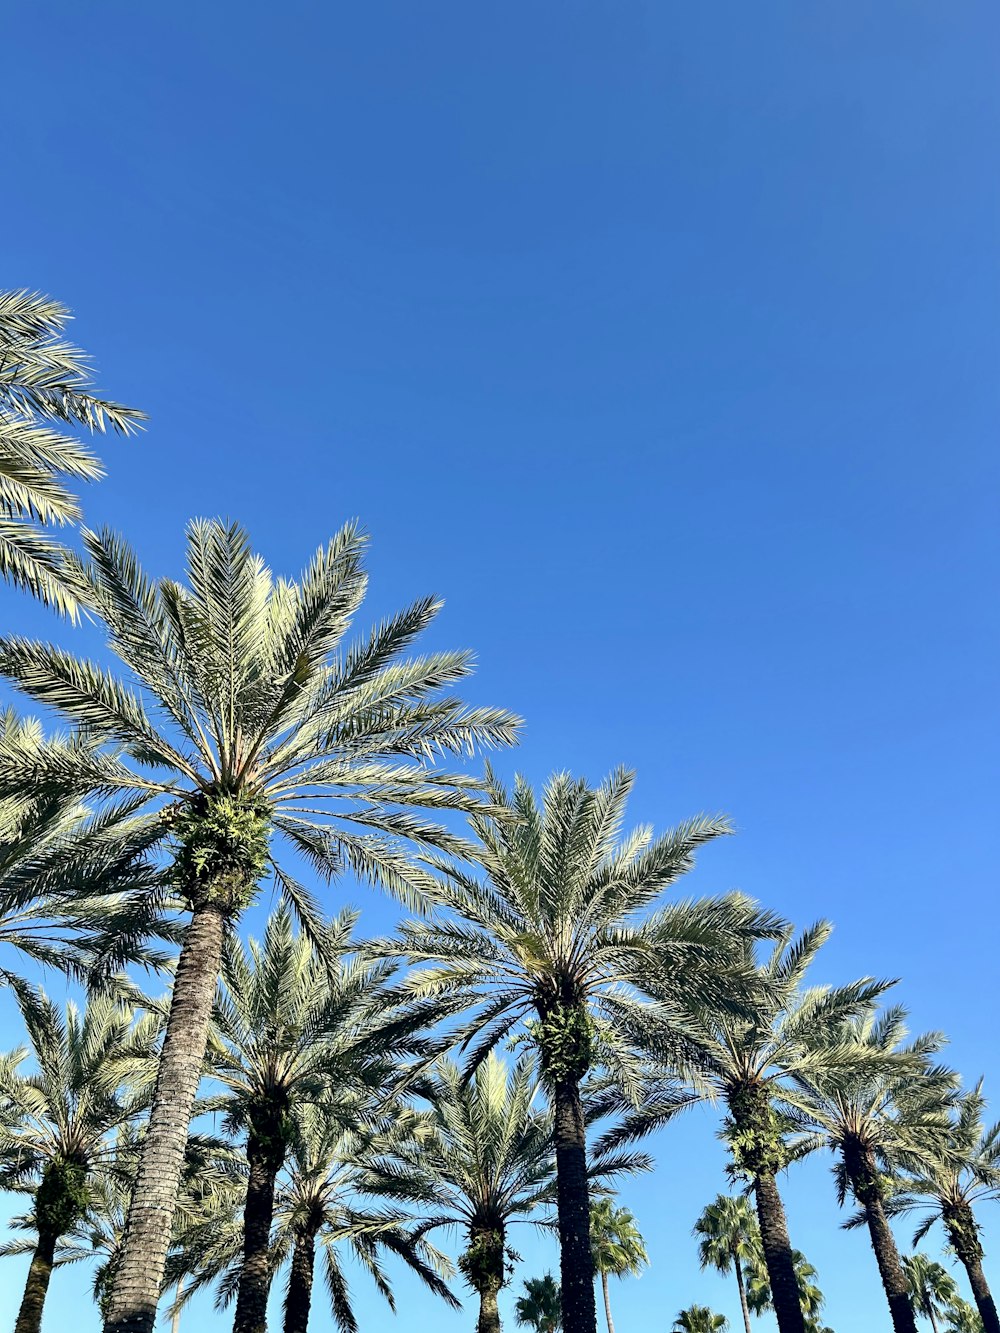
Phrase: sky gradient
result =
(660, 340)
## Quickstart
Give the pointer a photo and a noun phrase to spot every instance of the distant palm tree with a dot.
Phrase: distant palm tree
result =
(618, 1248)
(541, 1305)
(44, 379)
(932, 1288)
(293, 1025)
(730, 1240)
(877, 1101)
(551, 940)
(700, 1319)
(811, 1299)
(242, 719)
(956, 1172)
(57, 1131)
(962, 1318)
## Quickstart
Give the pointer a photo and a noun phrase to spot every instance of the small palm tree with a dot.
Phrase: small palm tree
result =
(956, 1173)
(932, 1288)
(962, 1318)
(291, 1026)
(618, 1248)
(481, 1160)
(700, 1319)
(744, 1053)
(730, 1240)
(877, 1101)
(811, 1299)
(540, 1307)
(43, 380)
(552, 939)
(241, 722)
(58, 1129)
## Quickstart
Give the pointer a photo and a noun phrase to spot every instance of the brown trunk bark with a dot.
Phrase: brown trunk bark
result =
(300, 1280)
(29, 1317)
(743, 1292)
(489, 1313)
(136, 1290)
(778, 1255)
(863, 1175)
(576, 1260)
(607, 1302)
(265, 1156)
(964, 1236)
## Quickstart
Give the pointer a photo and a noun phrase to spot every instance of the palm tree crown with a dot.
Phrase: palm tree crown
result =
(700, 1319)
(541, 1305)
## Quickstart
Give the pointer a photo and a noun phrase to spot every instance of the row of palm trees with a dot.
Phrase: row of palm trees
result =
(240, 734)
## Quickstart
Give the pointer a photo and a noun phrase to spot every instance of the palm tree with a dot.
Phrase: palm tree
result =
(932, 1288)
(77, 891)
(481, 1160)
(700, 1319)
(57, 1131)
(541, 1305)
(811, 1299)
(617, 1246)
(956, 1173)
(241, 720)
(730, 1239)
(44, 379)
(551, 940)
(290, 1025)
(962, 1318)
(877, 1101)
(321, 1203)
(744, 1055)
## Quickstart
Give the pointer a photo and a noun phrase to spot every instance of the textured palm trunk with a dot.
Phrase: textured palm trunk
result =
(778, 1255)
(489, 1313)
(265, 1154)
(933, 1318)
(300, 1281)
(863, 1175)
(741, 1283)
(576, 1260)
(136, 1290)
(964, 1236)
(607, 1302)
(29, 1317)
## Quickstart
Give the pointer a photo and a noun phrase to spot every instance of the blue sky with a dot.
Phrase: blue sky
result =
(661, 341)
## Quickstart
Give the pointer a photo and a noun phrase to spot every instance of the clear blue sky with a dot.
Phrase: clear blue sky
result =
(661, 339)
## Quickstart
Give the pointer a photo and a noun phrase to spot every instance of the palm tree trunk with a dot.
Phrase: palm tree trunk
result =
(607, 1303)
(29, 1317)
(175, 1318)
(863, 1175)
(265, 1155)
(136, 1290)
(576, 1260)
(778, 1254)
(300, 1280)
(933, 1318)
(964, 1236)
(743, 1292)
(489, 1313)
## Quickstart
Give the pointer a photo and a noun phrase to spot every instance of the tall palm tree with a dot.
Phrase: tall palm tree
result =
(291, 1025)
(700, 1319)
(242, 720)
(932, 1288)
(956, 1173)
(541, 1305)
(551, 939)
(44, 380)
(744, 1055)
(730, 1240)
(481, 1160)
(58, 1129)
(617, 1246)
(322, 1203)
(879, 1100)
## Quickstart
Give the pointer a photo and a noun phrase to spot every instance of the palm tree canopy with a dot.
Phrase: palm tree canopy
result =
(700, 1319)
(617, 1244)
(44, 380)
(541, 1305)
(557, 934)
(241, 715)
(932, 1288)
(811, 1298)
(728, 1230)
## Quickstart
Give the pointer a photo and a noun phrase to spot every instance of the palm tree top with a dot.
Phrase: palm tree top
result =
(618, 1247)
